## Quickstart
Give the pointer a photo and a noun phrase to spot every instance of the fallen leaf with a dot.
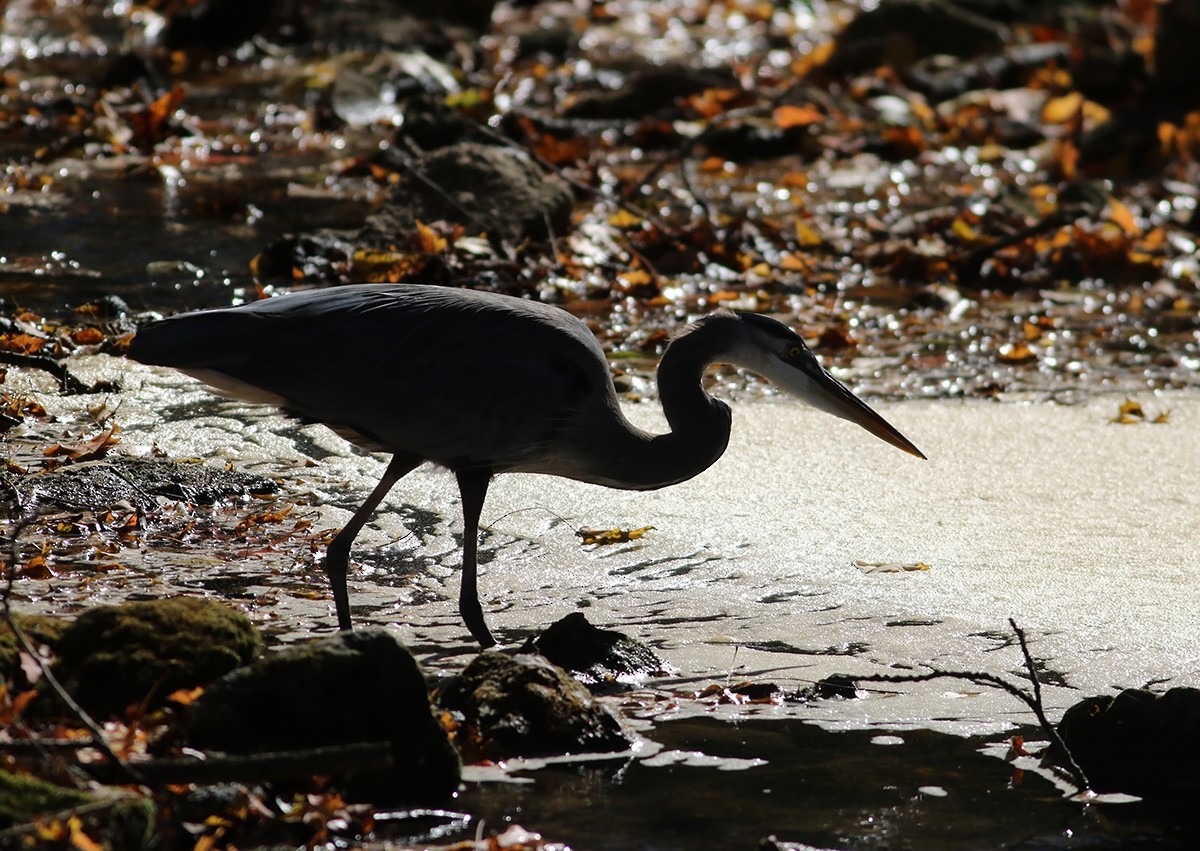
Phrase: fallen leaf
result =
(790, 115)
(889, 567)
(88, 450)
(604, 537)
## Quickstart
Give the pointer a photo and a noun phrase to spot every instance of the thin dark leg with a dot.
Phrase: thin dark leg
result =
(337, 555)
(472, 485)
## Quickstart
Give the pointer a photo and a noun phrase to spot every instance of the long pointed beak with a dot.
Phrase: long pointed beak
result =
(830, 395)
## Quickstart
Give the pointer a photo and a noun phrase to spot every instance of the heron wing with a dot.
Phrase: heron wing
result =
(458, 377)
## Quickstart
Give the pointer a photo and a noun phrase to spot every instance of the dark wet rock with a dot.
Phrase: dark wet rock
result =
(476, 14)
(137, 653)
(1138, 742)
(95, 485)
(1176, 59)
(41, 630)
(429, 123)
(900, 32)
(216, 24)
(322, 255)
(596, 656)
(525, 705)
(835, 685)
(486, 189)
(648, 91)
(353, 687)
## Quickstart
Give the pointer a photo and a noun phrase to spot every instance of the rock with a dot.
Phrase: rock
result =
(486, 189)
(96, 485)
(900, 32)
(596, 656)
(1138, 742)
(137, 653)
(524, 705)
(352, 687)
(322, 255)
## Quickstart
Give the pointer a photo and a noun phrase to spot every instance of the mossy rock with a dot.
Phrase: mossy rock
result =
(126, 823)
(361, 686)
(40, 629)
(137, 653)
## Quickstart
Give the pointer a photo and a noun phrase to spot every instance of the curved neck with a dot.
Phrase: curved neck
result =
(636, 460)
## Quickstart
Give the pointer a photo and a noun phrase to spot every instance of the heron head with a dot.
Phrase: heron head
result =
(777, 353)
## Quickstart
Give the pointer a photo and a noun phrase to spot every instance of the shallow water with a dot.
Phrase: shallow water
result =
(752, 573)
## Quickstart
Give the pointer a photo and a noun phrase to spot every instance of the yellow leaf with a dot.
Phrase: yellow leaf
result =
(604, 537)
(1122, 217)
(964, 231)
(624, 219)
(1060, 110)
(806, 236)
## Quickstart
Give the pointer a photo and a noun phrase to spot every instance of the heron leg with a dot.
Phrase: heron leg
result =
(337, 554)
(473, 486)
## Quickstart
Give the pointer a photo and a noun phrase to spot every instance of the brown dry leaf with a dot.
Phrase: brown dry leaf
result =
(25, 344)
(12, 706)
(604, 537)
(790, 115)
(36, 568)
(88, 336)
(90, 449)
(149, 124)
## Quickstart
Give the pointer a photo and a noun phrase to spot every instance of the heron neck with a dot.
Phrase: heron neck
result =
(699, 423)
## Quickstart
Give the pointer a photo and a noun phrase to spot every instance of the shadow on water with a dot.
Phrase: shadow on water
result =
(847, 790)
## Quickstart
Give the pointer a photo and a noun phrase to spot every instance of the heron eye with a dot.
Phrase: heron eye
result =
(794, 352)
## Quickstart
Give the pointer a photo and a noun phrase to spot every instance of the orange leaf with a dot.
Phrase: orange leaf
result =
(87, 336)
(791, 115)
(431, 242)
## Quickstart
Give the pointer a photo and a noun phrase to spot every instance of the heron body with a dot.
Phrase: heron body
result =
(481, 384)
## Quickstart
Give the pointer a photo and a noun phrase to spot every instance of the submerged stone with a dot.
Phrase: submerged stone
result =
(138, 653)
(1138, 742)
(597, 657)
(525, 705)
(352, 687)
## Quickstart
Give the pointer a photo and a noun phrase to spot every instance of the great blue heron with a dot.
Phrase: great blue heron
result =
(482, 384)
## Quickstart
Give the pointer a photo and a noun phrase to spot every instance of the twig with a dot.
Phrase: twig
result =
(1040, 711)
(1033, 701)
